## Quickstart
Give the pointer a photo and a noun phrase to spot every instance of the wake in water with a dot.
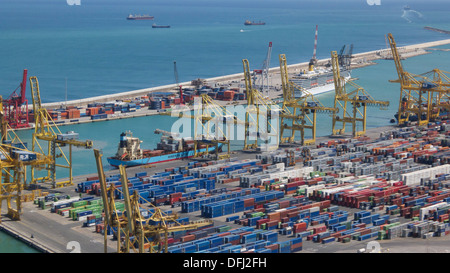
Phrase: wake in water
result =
(411, 15)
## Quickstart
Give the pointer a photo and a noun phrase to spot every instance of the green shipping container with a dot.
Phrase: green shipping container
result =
(346, 240)
(74, 211)
(120, 206)
(356, 235)
(79, 203)
(225, 228)
(96, 202)
(395, 211)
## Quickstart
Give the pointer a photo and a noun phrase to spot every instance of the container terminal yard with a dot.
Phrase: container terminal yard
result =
(388, 187)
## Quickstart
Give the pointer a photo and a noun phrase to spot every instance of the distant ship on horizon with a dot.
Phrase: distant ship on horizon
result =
(140, 17)
(249, 23)
(159, 26)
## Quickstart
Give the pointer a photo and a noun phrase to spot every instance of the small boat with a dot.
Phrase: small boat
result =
(157, 26)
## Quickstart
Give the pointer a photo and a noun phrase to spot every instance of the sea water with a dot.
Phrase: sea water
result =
(97, 51)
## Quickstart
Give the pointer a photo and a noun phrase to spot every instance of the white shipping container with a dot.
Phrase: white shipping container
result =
(414, 178)
(426, 210)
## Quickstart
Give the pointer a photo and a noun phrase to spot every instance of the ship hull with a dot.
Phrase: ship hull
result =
(319, 85)
(155, 159)
(141, 18)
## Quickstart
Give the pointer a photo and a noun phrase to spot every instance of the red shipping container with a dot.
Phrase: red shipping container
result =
(274, 216)
(319, 229)
(341, 239)
(260, 222)
(92, 178)
(300, 227)
(272, 247)
(272, 223)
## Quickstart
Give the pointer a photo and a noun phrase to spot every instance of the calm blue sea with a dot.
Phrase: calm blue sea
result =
(99, 52)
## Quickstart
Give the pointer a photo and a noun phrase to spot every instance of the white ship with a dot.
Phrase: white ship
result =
(318, 80)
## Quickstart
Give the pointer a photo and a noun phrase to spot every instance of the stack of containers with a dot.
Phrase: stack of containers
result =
(414, 178)
(235, 205)
(195, 205)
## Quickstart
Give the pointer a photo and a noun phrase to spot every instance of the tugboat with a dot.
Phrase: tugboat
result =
(171, 147)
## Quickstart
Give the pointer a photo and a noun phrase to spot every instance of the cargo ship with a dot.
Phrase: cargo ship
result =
(140, 17)
(249, 23)
(157, 26)
(171, 147)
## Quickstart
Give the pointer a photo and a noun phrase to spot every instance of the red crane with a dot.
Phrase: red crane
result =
(15, 108)
(175, 72)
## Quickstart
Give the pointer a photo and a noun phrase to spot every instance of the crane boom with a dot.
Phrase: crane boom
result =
(47, 130)
(306, 105)
(357, 98)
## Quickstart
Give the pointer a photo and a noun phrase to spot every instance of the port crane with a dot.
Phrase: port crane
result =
(263, 81)
(216, 115)
(15, 107)
(14, 159)
(345, 57)
(143, 230)
(260, 112)
(47, 130)
(209, 118)
(301, 111)
(357, 98)
(423, 96)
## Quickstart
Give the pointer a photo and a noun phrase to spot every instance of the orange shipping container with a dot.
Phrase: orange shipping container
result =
(187, 238)
(274, 216)
(92, 111)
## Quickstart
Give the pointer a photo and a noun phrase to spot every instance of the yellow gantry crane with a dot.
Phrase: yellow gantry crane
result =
(261, 112)
(14, 159)
(209, 116)
(47, 130)
(301, 109)
(140, 234)
(357, 98)
(216, 116)
(422, 97)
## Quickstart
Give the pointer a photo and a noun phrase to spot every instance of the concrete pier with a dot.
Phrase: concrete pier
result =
(359, 60)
